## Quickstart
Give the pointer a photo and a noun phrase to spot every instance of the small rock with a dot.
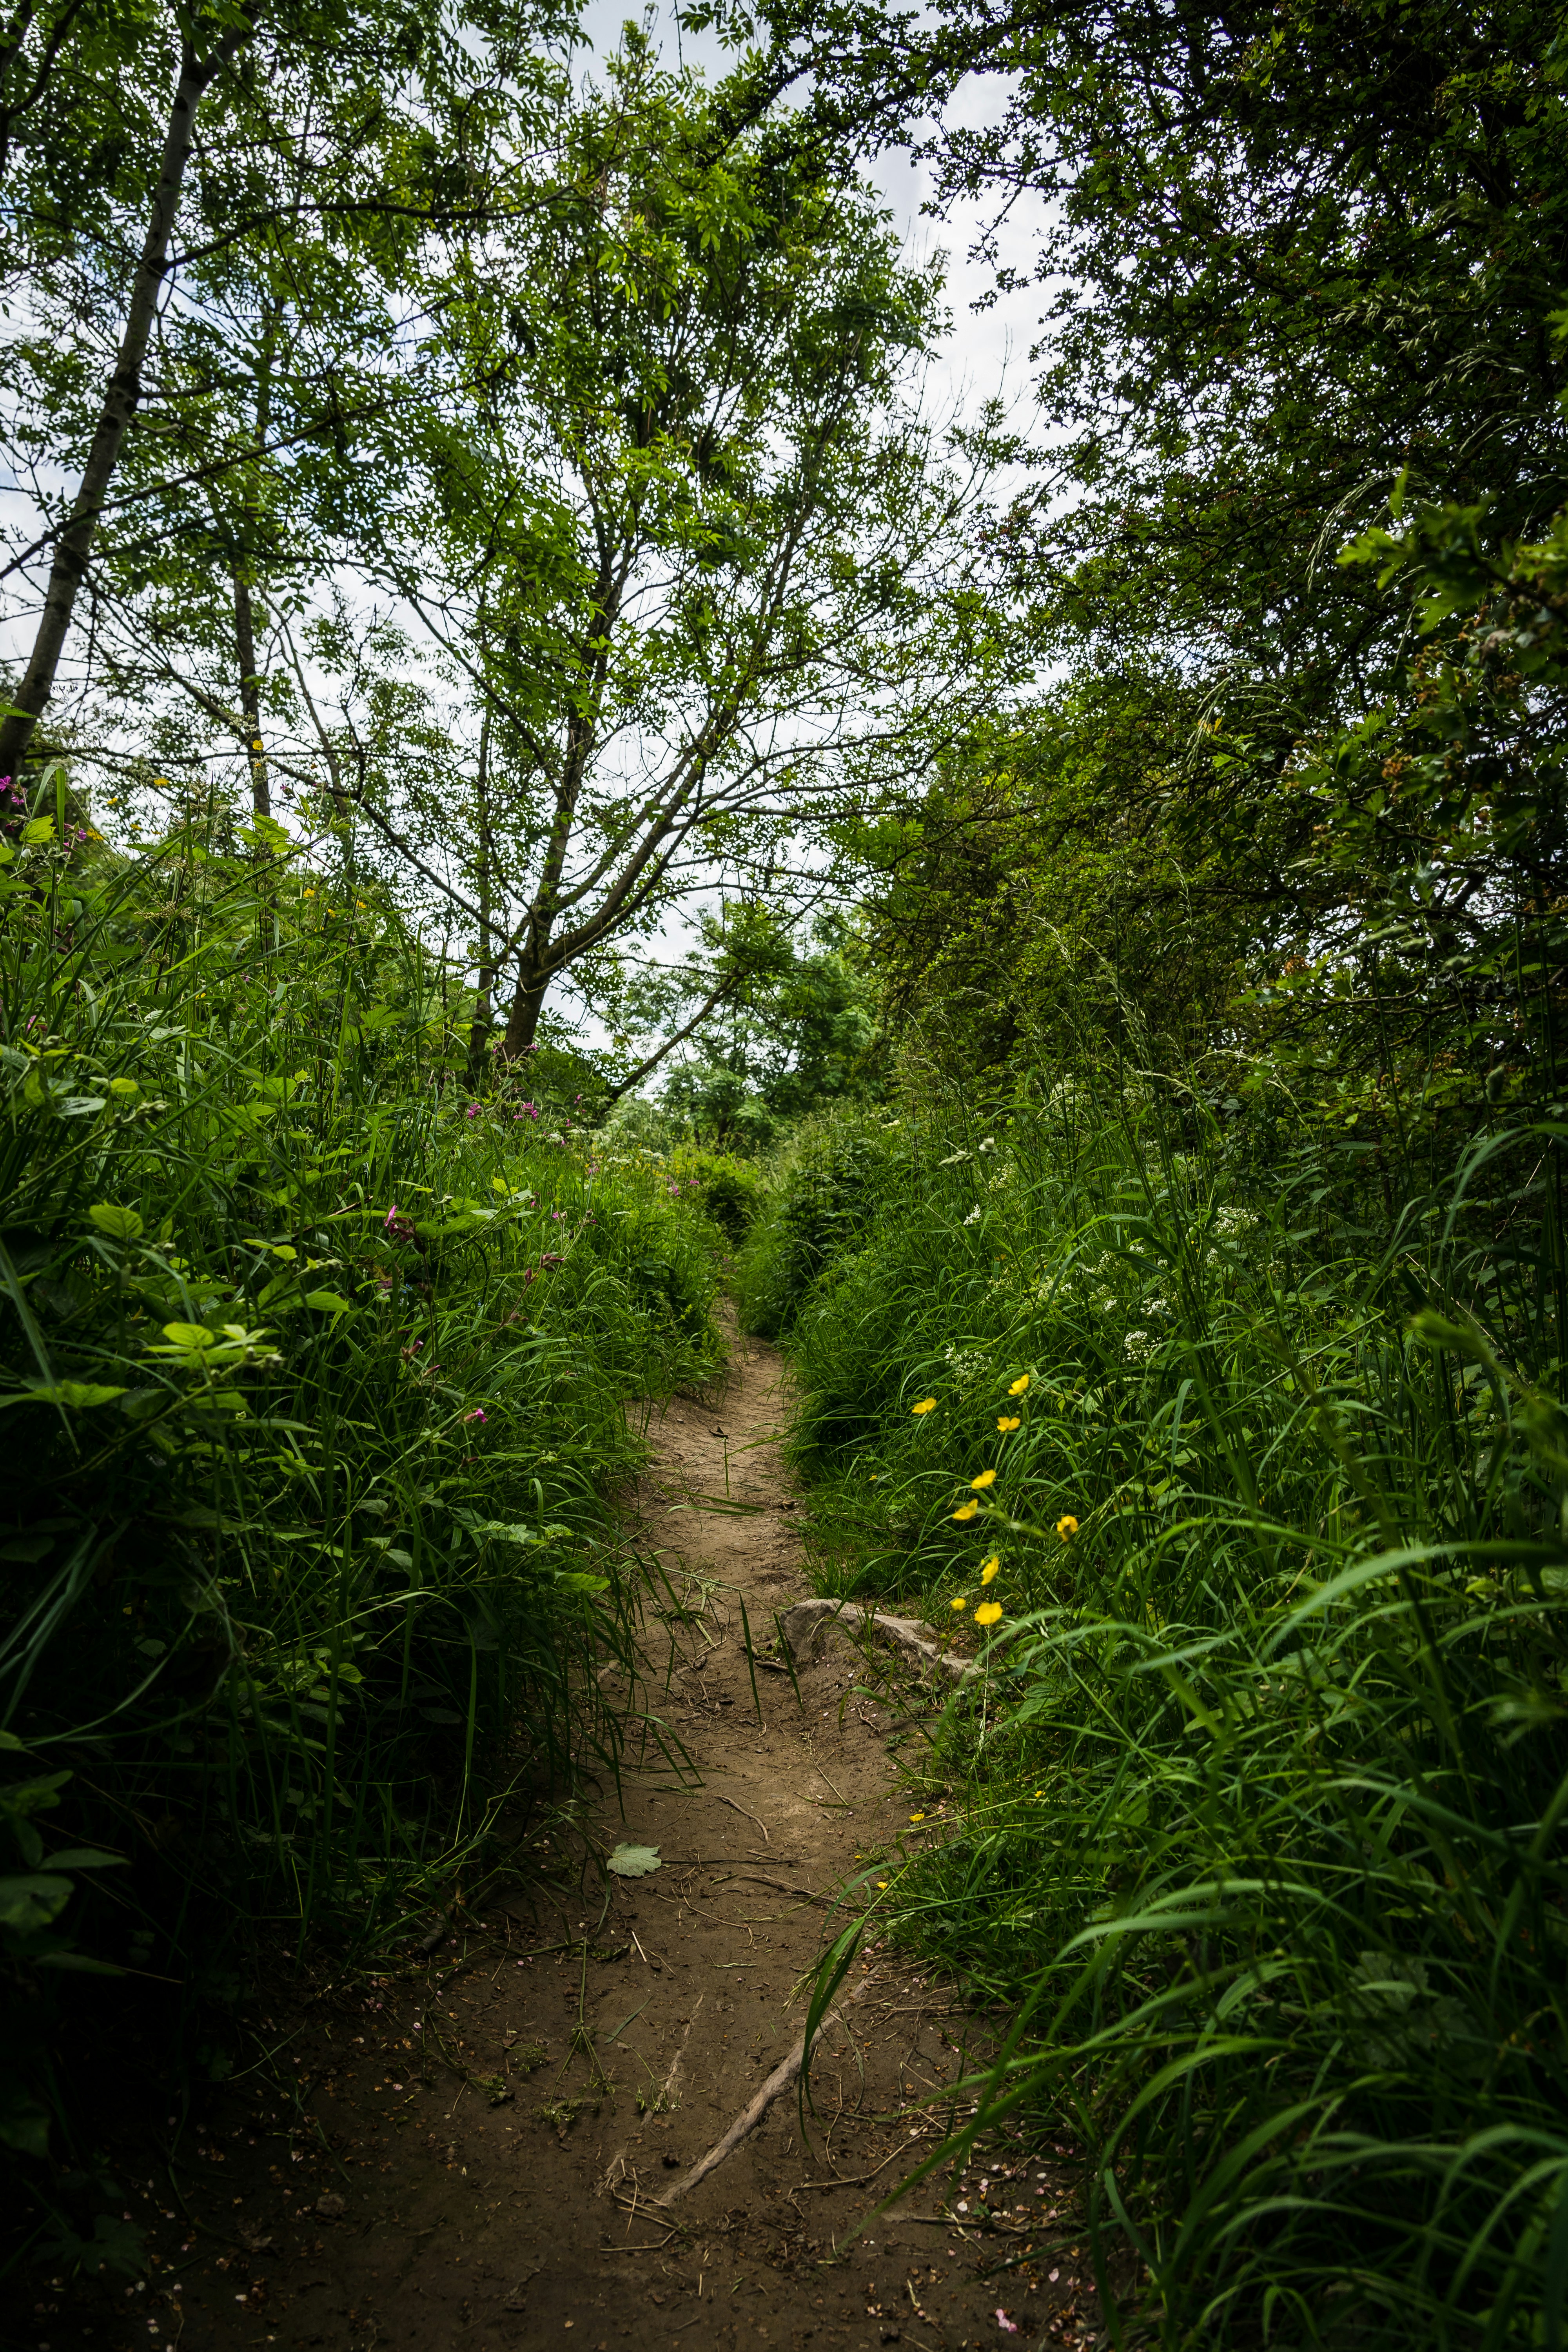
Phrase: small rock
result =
(331, 2205)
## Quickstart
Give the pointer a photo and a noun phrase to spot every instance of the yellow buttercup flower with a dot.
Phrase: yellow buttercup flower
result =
(926, 1404)
(917, 1817)
(1007, 1423)
(988, 1613)
(962, 1602)
(966, 1510)
(992, 1568)
(1066, 1527)
(986, 1478)
(1017, 1387)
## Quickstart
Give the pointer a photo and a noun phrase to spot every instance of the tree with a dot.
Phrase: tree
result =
(796, 1034)
(1288, 252)
(295, 133)
(682, 534)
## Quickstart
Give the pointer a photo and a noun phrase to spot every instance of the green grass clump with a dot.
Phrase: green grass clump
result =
(313, 1365)
(1260, 1834)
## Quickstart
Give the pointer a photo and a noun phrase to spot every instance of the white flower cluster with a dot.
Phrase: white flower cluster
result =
(1138, 1347)
(973, 1216)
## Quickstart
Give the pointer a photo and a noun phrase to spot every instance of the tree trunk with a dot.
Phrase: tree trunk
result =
(251, 694)
(479, 1027)
(244, 611)
(124, 390)
(527, 1003)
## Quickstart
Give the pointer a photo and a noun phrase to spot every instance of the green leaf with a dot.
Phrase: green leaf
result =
(24, 2123)
(31, 1903)
(328, 1302)
(119, 1224)
(79, 1394)
(634, 1861)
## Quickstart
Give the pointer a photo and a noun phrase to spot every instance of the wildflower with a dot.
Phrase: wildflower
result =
(1066, 1527)
(961, 1602)
(973, 1216)
(966, 1510)
(917, 1817)
(986, 1478)
(1017, 1387)
(309, 894)
(478, 1414)
(926, 1404)
(882, 1886)
(1008, 1421)
(988, 1613)
(992, 1568)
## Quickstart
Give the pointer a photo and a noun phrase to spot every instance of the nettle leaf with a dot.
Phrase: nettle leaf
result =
(119, 1224)
(634, 1861)
(81, 1395)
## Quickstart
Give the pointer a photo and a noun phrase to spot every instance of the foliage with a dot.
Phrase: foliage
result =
(673, 523)
(1257, 1831)
(1063, 861)
(313, 1368)
(795, 1033)
(730, 1188)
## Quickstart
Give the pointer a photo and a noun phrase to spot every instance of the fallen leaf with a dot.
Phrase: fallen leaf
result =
(634, 1861)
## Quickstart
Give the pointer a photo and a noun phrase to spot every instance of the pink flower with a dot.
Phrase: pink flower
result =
(477, 1414)
(1010, 2325)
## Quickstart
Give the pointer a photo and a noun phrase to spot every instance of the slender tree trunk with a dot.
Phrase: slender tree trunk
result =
(244, 610)
(479, 1027)
(251, 694)
(124, 390)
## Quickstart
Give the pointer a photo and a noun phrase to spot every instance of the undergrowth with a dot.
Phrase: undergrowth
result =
(314, 1364)
(1260, 1481)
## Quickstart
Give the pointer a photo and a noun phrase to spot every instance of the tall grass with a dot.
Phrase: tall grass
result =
(312, 1366)
(1258, 1822)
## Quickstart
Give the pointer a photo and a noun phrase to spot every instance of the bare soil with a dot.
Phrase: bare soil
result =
(475, 2152)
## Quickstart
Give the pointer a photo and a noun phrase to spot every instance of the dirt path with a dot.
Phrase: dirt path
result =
(398, 2207)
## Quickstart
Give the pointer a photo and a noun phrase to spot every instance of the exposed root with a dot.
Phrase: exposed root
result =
(802, 1625)
(746, 2122)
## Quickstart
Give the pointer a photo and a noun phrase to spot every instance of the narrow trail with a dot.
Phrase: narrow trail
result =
(402, 2208)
